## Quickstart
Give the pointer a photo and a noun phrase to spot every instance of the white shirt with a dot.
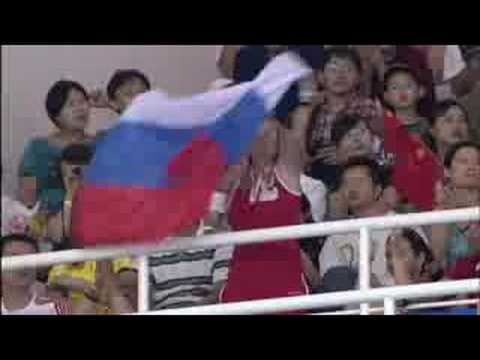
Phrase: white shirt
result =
(33, 309)
(343, 250)
(453, 65)
(316, 193)
(453, 62)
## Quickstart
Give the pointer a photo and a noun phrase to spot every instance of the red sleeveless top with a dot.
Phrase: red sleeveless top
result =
(266, 270)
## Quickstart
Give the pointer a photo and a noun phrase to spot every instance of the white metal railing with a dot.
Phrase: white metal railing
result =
(419, 306)
(309, 302)
(364, 226)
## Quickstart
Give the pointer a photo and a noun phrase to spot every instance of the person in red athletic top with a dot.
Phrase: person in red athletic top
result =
(267, 195)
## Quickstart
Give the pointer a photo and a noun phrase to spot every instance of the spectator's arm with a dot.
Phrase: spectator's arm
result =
(291, 160)
(99, 99)
(110, 293)
(59, 278)
(54, 229)
(337, 207)
(465, 82)
(215, 219)
(300, 123)
(27, 173)
(28, 190)
(74, 284)
(440, 233)
(118, 303)
(214, 296)
(389, 199)
(310, 271)
(400, 271)
(291, 156)
(461, 76)
(84, 307)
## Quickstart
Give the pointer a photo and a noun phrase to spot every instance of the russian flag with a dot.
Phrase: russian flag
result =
(154, 173)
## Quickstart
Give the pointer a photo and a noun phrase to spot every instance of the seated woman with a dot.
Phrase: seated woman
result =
(410, 261)
(450, 242)
(74, 158)
(68, 107)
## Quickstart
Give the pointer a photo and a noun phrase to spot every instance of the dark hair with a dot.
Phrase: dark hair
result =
(343, 52)
(18, 238)
(342, 126)
(442, 107)
(400, 69)
(372, 166)
(452, 151)
(249, 62)
(120, 77)
(57, 97)
(80, 154)
(418, 245)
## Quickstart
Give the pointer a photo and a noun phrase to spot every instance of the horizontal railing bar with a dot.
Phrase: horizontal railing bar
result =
(242, 237)
(431, 305)
(309, 302)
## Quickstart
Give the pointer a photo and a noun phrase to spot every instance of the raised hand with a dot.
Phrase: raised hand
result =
(99, 99)
(436, 61)
(444, 196)
(327, 155)
(337, 205)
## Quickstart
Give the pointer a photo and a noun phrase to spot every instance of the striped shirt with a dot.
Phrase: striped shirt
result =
(183, 279)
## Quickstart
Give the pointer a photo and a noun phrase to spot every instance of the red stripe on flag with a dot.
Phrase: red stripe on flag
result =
(119, 215)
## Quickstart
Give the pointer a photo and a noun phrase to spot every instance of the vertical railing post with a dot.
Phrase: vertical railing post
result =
(389, 306)
(364, 266)
(143, 284)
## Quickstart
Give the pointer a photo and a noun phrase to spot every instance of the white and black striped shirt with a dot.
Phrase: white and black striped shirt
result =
(183, 279)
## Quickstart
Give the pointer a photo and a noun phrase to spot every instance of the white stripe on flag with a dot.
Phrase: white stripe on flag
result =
(156, 108)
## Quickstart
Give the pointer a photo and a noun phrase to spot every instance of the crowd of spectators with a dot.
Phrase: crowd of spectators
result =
(325, 154)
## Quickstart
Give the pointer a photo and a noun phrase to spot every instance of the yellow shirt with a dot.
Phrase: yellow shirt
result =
(85, 271)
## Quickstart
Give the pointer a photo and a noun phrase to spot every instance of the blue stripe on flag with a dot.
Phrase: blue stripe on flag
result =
(134, 154)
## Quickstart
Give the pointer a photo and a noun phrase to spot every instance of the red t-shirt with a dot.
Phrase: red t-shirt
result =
(467, 268)
(416, 169)
(270, 269)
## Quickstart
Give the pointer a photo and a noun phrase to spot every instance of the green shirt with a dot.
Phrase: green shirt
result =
(458, 246)
(420, 127)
